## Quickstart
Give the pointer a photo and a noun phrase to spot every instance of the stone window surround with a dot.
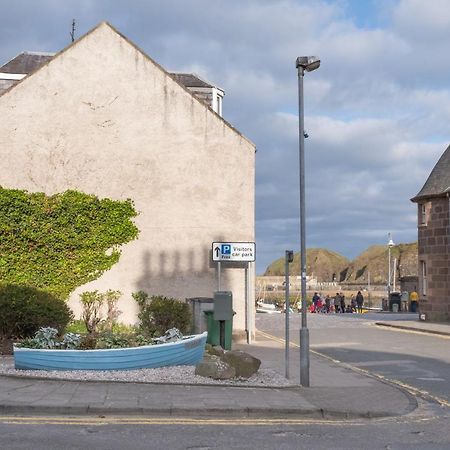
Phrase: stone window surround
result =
(424, 213)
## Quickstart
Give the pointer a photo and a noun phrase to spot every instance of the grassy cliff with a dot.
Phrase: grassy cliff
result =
(326, 265)
(321, 263)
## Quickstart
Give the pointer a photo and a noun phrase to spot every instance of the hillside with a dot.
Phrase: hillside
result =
(321, 263)
(374, 260)
(326, 265)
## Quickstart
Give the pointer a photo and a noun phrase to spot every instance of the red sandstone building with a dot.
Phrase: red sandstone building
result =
(434, 240)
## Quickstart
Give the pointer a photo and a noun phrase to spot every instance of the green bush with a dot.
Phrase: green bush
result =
(115, 340)
(25, 309)
(158, 314)
(57, 243)
(110, 299)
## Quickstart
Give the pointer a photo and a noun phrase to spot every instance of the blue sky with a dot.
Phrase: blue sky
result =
(377, 110)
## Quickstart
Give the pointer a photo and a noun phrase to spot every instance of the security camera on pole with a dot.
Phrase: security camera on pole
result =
(308, 64)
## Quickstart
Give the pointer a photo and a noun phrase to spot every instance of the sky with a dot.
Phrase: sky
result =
(377, 111)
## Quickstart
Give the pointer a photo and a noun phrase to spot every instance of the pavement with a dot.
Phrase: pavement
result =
(336, 391)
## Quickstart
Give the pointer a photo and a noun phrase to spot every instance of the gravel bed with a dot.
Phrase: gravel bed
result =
(170, 375)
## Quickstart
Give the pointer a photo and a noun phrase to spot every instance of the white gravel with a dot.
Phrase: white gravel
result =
(174, 375)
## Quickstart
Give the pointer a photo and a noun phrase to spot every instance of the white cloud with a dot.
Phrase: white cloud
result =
(377, 111)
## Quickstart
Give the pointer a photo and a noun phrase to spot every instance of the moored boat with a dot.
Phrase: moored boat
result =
(187, 351)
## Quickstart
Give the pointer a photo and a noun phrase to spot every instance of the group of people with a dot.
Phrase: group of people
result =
(336, 304)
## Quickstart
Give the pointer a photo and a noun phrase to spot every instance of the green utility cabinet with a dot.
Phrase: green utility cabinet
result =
(214, 330)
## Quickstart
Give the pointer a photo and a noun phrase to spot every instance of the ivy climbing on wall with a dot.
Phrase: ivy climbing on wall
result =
(59, 242)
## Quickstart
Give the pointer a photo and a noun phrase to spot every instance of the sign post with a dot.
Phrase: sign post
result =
(233, 251)
(236, 252)
(289, 257)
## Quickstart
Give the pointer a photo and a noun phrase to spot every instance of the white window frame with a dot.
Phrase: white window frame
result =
(423, 275)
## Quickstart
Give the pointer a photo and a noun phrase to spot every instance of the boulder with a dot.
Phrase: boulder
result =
(217, 350)
(212, 366)
(244, 364)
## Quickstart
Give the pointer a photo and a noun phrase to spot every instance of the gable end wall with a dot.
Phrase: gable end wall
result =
(102, 118)
(435, 252)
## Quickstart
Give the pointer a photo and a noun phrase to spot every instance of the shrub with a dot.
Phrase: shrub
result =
(25, 309)
(92, 303)
(146, 324)
(111, 298)
(158, 314)
(141, 298)
(111, 340)
(47, 338)
(88, 342)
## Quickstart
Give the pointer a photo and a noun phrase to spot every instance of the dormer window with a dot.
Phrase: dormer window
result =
(202, 89)
(217, 97)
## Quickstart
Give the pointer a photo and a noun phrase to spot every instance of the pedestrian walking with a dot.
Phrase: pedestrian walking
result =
(414, 299)
(332, 305)
(319, 305)
(315, 299)
(342, 300)
(359, 301)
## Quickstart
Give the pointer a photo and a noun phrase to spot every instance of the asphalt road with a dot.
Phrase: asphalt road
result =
(415, 359)
(413, 433)
(421, 361)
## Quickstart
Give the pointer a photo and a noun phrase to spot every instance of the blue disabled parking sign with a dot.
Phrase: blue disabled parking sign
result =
(233, 251)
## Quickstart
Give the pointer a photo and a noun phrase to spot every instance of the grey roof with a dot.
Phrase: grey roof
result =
(191, 80)
(26, 62)
(438, 183)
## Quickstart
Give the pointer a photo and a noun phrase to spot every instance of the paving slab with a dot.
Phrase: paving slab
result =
(336, 391)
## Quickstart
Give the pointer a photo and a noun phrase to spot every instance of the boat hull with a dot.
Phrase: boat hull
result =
(188, 351)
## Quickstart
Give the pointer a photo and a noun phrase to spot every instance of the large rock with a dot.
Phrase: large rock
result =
(244, 364)
(212, 366)
(216, 350)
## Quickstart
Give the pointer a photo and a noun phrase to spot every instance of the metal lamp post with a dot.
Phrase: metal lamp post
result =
(390, 245)
(308, 64)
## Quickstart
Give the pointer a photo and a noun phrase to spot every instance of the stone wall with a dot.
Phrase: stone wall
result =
(434, 288)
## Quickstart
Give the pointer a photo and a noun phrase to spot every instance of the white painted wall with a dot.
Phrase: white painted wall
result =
(103, 118)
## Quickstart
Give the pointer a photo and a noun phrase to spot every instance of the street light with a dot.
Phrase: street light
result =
(308, 64)
(390, 245)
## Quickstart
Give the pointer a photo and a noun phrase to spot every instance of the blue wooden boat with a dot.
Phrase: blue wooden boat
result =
(188, 351)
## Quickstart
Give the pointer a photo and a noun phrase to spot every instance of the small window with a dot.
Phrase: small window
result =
(423, 275)
(422, 214)
(219, 105)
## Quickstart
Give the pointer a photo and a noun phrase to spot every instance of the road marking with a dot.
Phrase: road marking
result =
(404, 330)
(386, 362)
(96, 421)
(411, 389)
(430, 379)
(337, 344)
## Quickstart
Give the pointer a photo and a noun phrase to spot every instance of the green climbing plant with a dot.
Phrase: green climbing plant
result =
(59, 242)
